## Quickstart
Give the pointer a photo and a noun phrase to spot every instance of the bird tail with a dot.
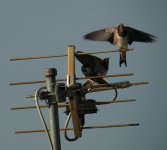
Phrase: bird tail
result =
(122, 59)
(102, 81)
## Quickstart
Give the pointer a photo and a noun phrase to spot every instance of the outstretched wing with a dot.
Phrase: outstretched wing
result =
(101, 35)
(86, 58)
(139, 36)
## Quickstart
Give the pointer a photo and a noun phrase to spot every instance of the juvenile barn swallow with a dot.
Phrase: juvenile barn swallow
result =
(120, 36)
(93, 66)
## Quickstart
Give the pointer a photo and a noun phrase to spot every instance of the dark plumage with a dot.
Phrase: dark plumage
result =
(120, 36)
(93, 66)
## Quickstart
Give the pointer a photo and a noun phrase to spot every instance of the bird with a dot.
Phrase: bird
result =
(93, 66)
(122, 36)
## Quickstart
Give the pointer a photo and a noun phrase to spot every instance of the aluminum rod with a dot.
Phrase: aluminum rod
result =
(36, 57)
(77, 78)
(64, 55)
(105, 76)
(64, 105)
(89, 127)
(120, 87)
(102, 52)
(34, 107)
(27, 82)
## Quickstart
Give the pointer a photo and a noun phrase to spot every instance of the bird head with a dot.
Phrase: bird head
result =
(87, 70)
(122, 30)
(106, 62)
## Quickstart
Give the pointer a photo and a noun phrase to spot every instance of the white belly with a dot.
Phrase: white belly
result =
(122, 42)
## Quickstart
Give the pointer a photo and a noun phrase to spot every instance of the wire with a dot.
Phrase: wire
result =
(115, 89)
(65, 132)
(41, 116)
(116, 94)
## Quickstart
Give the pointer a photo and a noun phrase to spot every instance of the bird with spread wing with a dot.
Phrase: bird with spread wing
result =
(121, 36)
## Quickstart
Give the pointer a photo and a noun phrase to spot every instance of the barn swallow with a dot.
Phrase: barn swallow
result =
(120, 36)
(93, 66)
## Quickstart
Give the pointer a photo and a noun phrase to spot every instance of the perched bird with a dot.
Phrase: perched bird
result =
(120, 36)
(93, 66)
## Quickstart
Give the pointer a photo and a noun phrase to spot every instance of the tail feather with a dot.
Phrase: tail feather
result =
(122, 59)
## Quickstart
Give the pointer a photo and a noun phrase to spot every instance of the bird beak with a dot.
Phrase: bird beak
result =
(107, 59)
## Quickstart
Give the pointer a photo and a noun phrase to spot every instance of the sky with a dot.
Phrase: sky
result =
(46, 27)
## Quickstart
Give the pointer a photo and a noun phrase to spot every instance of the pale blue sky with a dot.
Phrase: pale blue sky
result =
(45, 27)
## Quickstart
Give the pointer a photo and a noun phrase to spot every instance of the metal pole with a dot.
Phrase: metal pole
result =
(50, 74)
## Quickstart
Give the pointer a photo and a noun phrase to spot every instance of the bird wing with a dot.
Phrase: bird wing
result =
(86, 58)
(92, 62)
(139, 36)
(101, 35)
(97, 80)
(100, 81)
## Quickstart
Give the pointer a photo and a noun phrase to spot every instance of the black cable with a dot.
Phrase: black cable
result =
(116, 94)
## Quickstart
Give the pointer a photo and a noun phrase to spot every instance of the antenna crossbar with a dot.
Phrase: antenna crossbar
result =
(77, 78)
(122, 85)
(88, 127)
(64, 55)
(64, 105)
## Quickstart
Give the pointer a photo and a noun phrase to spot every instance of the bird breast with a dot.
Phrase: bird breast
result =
(100, 69)
(121, 42)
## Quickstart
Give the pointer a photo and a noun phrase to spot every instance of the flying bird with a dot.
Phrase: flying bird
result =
(120, 36)
(93, 66)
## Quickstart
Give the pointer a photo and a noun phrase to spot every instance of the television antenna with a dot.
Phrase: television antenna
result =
(71, 96)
